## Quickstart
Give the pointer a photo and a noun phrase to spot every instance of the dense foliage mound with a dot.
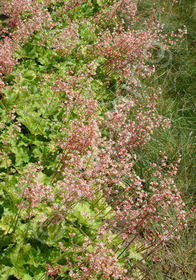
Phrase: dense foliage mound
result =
(76, 116)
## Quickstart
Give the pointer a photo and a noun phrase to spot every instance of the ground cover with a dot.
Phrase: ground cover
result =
(88, 168)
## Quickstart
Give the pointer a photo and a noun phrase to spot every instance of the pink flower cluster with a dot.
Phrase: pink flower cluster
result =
(51, 271)
(123, 49)
(7, 61)
(107, 160)
(64, 41)
(101, 262)
(21, 29)
(34, 17)
(97, 150)
(31, 191)
(126, 8)
(79, 143)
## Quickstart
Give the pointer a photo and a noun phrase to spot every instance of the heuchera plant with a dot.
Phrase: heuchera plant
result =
(69, 156)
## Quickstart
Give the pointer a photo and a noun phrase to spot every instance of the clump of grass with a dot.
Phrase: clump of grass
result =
(177, 260)
(177, 102)
(177, 80)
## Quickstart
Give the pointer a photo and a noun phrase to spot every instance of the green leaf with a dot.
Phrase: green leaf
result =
(133, 254)
(29, 50)
(34, 125)
(43, 178)
(100, 2)
(29, 75)
(5, 222)
(21, 155)
(27, 277)
(22, 254)
(83, 213)
(18, 273)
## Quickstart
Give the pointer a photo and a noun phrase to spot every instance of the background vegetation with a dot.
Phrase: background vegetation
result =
(178, 82)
